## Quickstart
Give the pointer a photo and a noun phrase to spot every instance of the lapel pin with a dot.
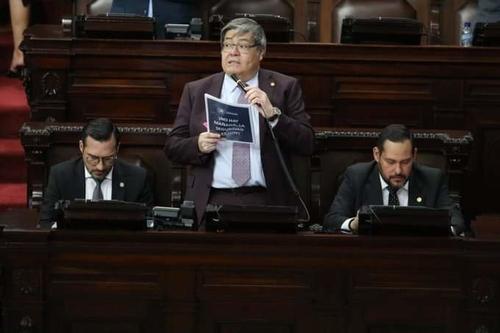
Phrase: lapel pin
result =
(419, 199)
(123, 185)
(272, 84)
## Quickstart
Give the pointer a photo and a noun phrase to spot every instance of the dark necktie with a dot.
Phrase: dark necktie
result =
(393, 196)
(97, 195)
(240, 168)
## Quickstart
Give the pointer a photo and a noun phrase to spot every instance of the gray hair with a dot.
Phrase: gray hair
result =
(245, 25)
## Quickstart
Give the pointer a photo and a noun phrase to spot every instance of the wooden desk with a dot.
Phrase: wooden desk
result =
(152, 281)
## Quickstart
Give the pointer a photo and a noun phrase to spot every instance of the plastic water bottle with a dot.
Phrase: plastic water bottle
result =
(466, 35)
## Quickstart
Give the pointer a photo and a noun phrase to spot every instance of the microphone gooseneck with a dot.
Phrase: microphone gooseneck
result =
(242, 85)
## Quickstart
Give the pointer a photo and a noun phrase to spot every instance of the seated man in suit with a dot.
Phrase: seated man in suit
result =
(223, 172)
(393, 178)
(97, 174)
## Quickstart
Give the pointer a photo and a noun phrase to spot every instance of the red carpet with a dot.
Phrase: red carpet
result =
(14, 110)
(12, 195)
(13, 107)
(12, 165)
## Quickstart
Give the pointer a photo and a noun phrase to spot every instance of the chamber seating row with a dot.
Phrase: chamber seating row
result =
(317, 176)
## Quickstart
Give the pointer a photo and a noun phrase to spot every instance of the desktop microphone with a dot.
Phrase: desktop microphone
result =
(242, 85)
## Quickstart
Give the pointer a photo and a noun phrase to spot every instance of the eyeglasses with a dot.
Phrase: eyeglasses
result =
(242, 48)
(94, 160)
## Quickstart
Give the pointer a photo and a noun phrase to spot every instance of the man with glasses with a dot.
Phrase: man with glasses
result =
(97, 174)
(275, 99)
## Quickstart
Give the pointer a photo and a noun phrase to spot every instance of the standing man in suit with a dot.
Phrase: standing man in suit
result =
(393, 178)
(164, 11)
(213, 177)
(97, 174)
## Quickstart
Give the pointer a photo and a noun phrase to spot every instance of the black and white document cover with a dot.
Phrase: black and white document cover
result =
(231, 121)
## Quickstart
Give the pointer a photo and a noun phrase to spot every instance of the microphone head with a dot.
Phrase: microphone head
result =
(234, 77)
(240, 83)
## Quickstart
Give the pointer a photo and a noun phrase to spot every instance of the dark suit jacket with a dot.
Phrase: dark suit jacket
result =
(67, 182)
(293, 132)
(164, 11)
(361, 186)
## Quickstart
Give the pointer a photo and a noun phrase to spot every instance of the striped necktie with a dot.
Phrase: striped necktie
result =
(393, 196)
(241, 157)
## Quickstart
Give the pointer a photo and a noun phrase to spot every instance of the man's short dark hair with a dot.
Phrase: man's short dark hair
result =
(394, 133)
(100, 129)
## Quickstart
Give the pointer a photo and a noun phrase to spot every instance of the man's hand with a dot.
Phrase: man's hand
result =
(354, 224)
(256, 96)
(207, 142)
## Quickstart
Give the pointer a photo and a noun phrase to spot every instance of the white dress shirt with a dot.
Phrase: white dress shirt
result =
(106, 186)
(402, 194)
(224, 151)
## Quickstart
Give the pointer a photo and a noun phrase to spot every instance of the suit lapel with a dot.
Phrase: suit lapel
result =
(268, 85)
(415, 192)
(78, 188)
(118, 183)
(215, 87)
(373, 188)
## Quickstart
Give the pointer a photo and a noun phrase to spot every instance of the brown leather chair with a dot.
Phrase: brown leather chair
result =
(368, 9)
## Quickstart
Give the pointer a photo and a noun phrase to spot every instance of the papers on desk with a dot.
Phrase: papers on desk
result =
(230, 120)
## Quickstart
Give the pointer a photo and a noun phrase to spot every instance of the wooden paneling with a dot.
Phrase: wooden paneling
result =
(174, 281)
(442, 19)
(441, 87)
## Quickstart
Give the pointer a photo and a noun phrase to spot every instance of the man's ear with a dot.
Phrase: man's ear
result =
(414, 153)
(80, 144)
(117, 148)
(261, 55)
(376, 154)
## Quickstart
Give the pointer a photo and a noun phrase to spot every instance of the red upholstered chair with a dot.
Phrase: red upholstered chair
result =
(368, 9)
